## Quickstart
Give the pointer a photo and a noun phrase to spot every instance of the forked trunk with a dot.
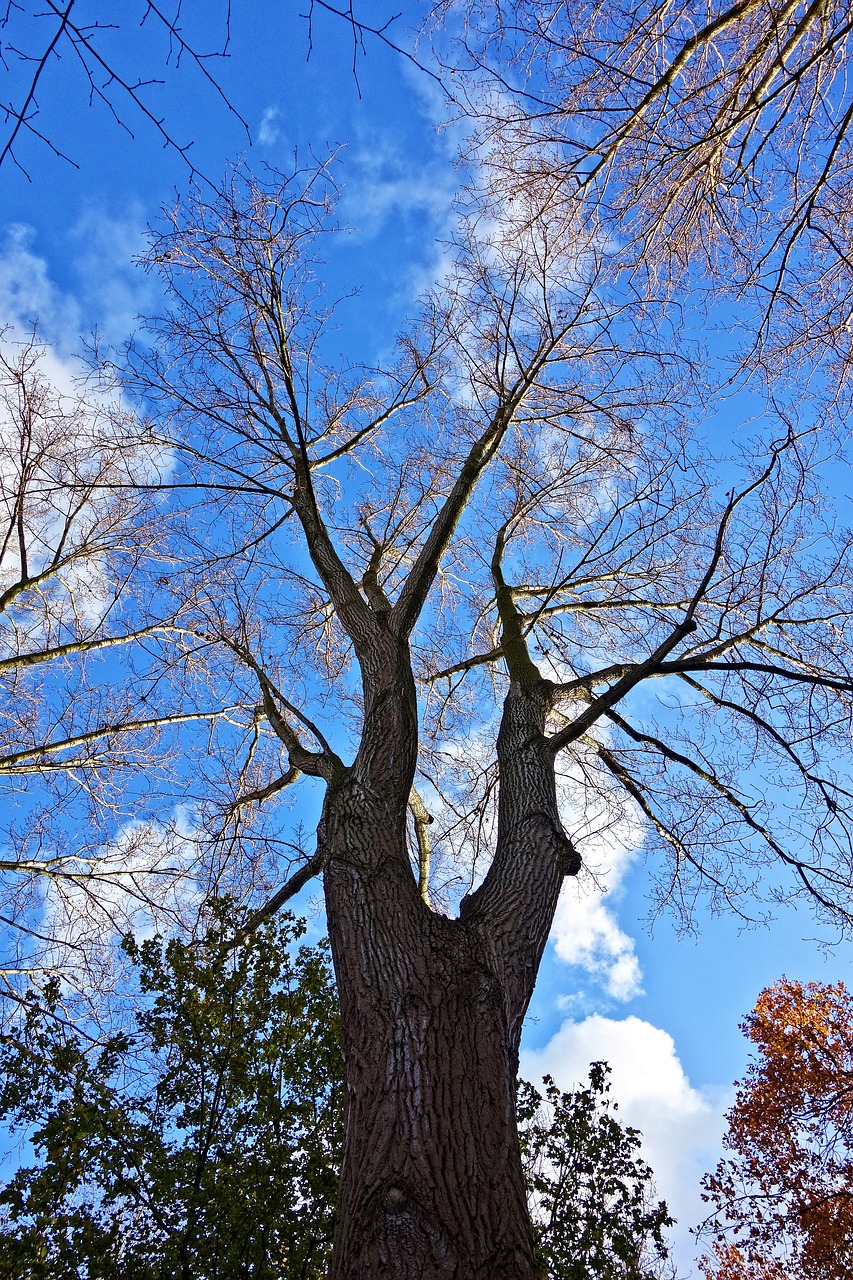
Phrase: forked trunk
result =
(431, 1185)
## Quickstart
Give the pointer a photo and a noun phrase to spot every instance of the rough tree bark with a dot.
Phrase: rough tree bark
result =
(432, 1007)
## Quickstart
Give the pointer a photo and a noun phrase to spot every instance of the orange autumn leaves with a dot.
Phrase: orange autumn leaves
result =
(783, 1199)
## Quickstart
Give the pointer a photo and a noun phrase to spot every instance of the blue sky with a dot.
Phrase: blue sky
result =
(664, 1009)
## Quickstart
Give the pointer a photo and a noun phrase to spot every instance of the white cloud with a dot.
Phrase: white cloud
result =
(70, 438)
(591, 938)
(586, 933)
(28, 295)
(681, 1125)
(111, 290)
(141, 882)
(384, 182)
(268, 130)
(144, 882)
(608, 835)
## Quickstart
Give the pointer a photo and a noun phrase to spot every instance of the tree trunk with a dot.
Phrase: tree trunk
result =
(431, 1184)
(431, 1007)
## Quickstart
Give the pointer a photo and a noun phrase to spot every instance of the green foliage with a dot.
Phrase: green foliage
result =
(591, 1195)
(202, 1145)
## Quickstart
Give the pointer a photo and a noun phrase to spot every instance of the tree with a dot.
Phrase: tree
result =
(591, 1196)
(710, 139)
(84, 555)
(204, 1142)
(782, 1199)
(351, 508)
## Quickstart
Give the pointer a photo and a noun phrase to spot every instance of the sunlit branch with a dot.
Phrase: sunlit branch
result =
(260, 794)
(95, 644)
(324, 763)
(422, 819)
(404, 400)
(467, 664)
(29, 582)
(33, 759)
(88, 869)
(664, 82)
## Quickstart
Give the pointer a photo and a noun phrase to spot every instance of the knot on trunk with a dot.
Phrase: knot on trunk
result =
(547, 830)
(411, 1243)
(570, 859)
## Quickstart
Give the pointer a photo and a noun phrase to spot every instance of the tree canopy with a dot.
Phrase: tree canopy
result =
(202, 1141)
(592, 1196)
(713, 141)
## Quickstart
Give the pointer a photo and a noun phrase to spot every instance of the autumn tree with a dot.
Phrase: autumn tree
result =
(782, 1198)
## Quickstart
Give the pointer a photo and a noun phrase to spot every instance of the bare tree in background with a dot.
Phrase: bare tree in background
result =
(85, 576)
(713, 140)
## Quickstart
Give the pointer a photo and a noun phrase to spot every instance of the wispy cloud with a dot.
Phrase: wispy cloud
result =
(269, 131)
(384, 182)
(29, 297)
(113, 289)
(110, 289)
(143, 881)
